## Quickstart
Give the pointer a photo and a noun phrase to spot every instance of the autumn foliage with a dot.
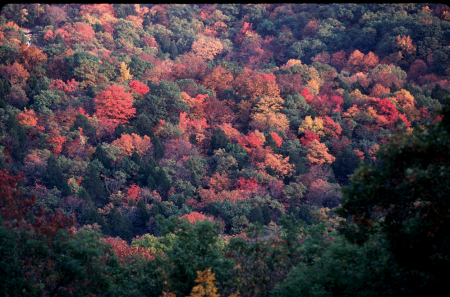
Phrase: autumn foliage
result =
(122, 118)
(115, 104)
(128, 143)
(139, 87)
(194, 217)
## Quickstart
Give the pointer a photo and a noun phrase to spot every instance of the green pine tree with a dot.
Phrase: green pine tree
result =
(117, 225)
(159, 151)
(100, 154)
(256, 215)
(266, 214)
(218, 140)
(54, 177)
(270, 142)
(93, 185)
(173, 50)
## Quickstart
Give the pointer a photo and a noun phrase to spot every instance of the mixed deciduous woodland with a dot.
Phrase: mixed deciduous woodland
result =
(224, 149)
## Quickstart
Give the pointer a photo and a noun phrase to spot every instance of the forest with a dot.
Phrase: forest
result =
(176, 150)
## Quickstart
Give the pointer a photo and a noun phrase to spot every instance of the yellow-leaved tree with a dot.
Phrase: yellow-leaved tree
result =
(124, 73)
(315, 126)
(206, 285)
(266, 114)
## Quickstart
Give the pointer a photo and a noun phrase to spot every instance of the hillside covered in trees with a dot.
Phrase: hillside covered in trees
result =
(224, 149)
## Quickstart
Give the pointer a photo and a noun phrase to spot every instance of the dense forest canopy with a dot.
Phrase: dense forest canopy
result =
(224, 149)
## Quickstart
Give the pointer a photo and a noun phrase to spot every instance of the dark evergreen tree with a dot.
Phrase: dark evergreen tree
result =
(162, 181)
(270, 171)
(294, 210)
(358, 86)
(100, 154)
(342, 85)
(2, 95)
(193, 139)
(121, 11)
(83, 194)
(151, 183)
(142, 218)
(239, 153)
(218, 140)
(348, 101)
(146, 22)
(173, 50)
(256, 215)
(54, 177)
(92, 216)
(345, 164)
(93, 185)
(137, 66)
(439, 93)
(117, 225)
(18, 137)
(120, 130)
(164, 42)
(266, 214)
(160, 54)
(60, 40)
(270, 142)
(50, 22)
(98, 27)
(304, 213)
(83, 123)
(136, 158)
(144, 125)
(394, 88)
(159, 151)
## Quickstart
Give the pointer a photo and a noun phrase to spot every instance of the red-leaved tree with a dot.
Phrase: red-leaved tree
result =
(309, 137)
(139, 87)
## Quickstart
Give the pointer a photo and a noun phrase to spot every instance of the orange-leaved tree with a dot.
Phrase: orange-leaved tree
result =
(317, 154)
(194, 217)
(114, 103)
(129, 143)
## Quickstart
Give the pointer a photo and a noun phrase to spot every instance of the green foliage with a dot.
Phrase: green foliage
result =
(93, 185)
(100, 154)
(195, 165)
(395, 209)
(271, 143)
(163, 102)
(18, 137)
(344, 269)
(123, 10)
(439, 93)
(305, 214)
(296, 153)
(162, 180)
(118, 225)
(82, 66)
(294, 193)
(83, 123)
(155, 244)
(195, 247)
(218, 140)
(345, 164)
(256, 215)
(137, 66)
(81, 264)
(238, 153)
(402, 198)
(306, 49)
